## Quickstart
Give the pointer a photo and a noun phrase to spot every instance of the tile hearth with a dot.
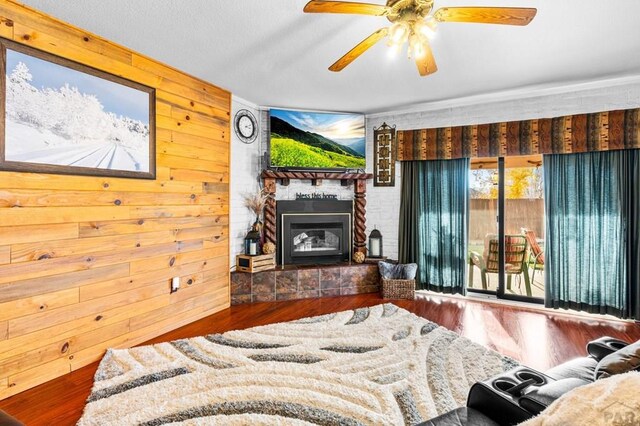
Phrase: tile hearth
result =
(304, 282)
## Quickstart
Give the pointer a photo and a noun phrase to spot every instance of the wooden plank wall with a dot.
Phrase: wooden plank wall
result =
(86, 262)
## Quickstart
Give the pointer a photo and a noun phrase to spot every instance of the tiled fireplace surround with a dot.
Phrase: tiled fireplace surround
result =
(303, 282)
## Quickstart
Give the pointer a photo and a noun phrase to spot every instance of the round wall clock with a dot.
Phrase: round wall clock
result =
(246, 126)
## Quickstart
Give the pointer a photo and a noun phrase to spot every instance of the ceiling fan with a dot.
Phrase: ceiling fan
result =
(414, 21)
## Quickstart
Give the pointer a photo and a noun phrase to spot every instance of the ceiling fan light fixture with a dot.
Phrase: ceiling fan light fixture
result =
(427, 27)
(417, 48)
(394, 50)
(415, 22)
(399, 32)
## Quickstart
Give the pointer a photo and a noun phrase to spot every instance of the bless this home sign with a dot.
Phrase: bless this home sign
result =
(316, 196)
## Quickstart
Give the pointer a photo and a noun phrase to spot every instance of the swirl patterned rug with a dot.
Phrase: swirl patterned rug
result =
(371, 366)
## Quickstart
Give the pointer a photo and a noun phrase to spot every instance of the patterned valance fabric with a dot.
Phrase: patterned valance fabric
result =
(601, 131)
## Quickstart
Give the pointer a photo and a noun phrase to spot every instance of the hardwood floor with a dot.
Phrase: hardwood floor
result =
(539, 339)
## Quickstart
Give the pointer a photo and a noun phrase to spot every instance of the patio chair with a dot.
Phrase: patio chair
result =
(535, 259)
(515, 254)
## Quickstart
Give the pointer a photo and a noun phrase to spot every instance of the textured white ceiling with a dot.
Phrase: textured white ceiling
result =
(269, 52)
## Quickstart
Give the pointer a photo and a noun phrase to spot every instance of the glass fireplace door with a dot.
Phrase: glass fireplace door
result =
(312, 238)
(306, 238)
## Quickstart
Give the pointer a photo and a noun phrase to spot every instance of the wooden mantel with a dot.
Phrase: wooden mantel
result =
(270, 177)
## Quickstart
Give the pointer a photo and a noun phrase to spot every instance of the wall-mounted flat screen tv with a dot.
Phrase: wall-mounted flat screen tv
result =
(316, 140)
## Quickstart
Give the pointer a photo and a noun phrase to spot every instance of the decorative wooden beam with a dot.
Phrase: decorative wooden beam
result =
(315, 175)
(270, 211)
(360, 219)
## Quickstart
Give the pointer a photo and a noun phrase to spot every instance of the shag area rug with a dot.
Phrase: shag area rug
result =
(371, 366)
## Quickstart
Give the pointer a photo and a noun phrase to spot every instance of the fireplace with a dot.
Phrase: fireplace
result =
(313, 231)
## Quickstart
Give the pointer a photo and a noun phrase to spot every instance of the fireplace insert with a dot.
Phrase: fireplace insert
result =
(314, 231)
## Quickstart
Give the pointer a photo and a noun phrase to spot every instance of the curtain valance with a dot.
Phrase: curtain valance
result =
(601, 131)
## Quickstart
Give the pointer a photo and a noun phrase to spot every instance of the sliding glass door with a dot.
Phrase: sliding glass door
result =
(506, 228)
(524, 227)
(483, 225)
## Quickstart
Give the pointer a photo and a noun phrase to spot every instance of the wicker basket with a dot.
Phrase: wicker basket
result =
(398, 289)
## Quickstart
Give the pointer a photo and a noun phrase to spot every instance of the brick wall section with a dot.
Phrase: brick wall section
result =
(303, 283)
(245, 168)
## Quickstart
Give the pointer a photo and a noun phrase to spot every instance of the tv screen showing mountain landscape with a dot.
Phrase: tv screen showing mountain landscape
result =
(317, 140)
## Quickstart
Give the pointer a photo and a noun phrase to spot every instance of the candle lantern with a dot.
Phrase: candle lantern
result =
(252, 243)
(375, 243)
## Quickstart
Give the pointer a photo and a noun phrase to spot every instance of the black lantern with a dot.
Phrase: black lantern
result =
(375, 243)
(252, 243)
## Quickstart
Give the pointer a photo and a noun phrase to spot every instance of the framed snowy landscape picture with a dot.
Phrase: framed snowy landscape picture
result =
(59, 116)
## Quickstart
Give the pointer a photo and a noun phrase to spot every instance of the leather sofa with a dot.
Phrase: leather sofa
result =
(517, 395)
(7, 420)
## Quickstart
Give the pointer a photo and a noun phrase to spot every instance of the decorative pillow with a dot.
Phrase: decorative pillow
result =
(390, 271)
(621, 361)
(410, 270)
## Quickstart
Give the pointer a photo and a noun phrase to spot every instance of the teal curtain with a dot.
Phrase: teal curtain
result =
(434, 222)
(591, 248)
(629, 191)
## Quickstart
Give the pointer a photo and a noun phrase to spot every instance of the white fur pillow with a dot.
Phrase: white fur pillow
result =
(611, 401)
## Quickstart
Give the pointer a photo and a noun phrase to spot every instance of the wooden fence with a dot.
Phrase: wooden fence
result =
(519, 213)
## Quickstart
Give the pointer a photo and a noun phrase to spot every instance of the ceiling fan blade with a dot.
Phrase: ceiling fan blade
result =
(487, 15)
(427, 64)
(362, 47)
(319, 6)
